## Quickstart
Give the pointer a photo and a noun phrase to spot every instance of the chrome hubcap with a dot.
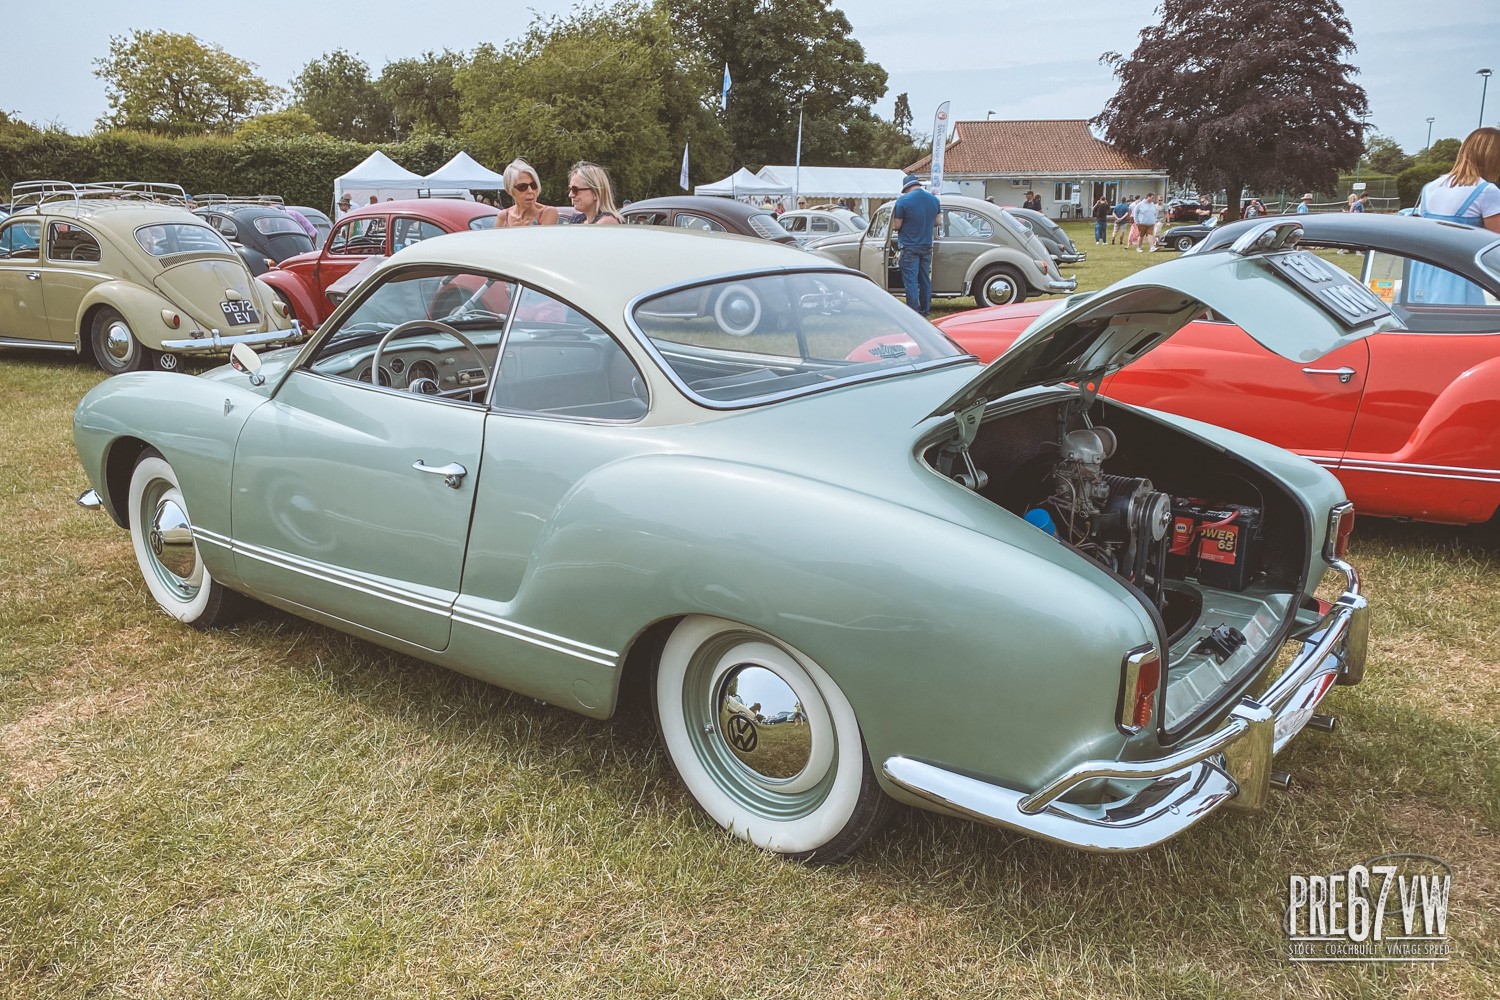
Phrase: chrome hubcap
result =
(762, 722)
(999, 291)
(118, 341)
(169, 536)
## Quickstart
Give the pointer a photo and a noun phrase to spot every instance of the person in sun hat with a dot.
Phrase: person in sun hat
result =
(1305, 205)
(912, 223)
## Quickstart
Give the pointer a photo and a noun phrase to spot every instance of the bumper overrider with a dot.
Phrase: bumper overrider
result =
(1231, 766)
(1062, 284)
(216, 343)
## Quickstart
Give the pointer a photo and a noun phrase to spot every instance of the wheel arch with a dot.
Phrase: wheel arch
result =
(1023, 263)
(139, 306)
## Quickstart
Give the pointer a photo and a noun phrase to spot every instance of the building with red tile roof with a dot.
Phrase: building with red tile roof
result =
(1059, 159)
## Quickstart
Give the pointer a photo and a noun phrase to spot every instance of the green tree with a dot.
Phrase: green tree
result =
(1384, 155)
(277, 125)
(781, 56)
(422, 93)
(158, 81)
(336, 90)
(901, 116)
(1280, 111)
(12, 125)
(611, 84)
(1443, 151)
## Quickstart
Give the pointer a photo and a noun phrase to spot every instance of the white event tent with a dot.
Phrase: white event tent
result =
(464, 172)
(380, 176)
(827, 183)
(743, 183)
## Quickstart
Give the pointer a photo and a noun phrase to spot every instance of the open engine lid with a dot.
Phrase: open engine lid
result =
(1291, 301)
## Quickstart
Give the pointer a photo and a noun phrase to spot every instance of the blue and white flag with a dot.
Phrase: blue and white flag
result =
(939, 146)
(725, 95)
(683, 177)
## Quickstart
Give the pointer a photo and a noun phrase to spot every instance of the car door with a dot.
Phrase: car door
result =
(1215, 372)
(73, 267)
(352, 241)
(962, 236)
(23, 313)
(876, 259)
(354, 485)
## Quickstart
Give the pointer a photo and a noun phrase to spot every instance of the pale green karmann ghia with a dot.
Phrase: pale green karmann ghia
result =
(852, 566)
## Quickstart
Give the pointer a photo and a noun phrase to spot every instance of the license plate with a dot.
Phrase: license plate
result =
(239, 313)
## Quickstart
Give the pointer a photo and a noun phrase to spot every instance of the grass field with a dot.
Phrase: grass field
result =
(280, 811)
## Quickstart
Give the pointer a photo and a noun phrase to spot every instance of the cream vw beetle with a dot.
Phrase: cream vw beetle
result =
(979, 250)
(122, 272)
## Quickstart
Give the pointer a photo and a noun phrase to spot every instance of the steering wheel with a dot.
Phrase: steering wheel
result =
(441, 327)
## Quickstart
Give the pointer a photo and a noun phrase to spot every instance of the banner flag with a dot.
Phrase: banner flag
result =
(939, 146)
(683, 178)
(725, 95)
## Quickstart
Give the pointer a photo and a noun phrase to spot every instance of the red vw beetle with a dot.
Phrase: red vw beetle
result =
(369, 233)
(1408, 419)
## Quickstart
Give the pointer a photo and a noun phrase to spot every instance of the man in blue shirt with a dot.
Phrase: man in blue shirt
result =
(1305, 205)
(912, 223)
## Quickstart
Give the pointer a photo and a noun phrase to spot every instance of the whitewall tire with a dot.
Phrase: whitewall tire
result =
(765, 741)
(162, 535)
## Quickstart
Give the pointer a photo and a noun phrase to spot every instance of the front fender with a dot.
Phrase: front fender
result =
(193, 422)
(951, 645)
(291, 285)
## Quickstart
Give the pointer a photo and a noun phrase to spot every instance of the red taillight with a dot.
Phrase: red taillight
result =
(1142, 679)
(171, 318)
(1340, 527)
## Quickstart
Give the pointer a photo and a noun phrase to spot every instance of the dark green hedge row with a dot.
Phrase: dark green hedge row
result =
(1410, 181)
(300, 168)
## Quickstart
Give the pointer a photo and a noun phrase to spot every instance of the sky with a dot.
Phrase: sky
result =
(1014, 59)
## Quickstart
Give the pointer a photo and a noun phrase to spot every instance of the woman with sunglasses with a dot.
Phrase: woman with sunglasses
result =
(525, 189)
(590, 192)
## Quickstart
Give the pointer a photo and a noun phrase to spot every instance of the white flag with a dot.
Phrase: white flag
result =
(725, 95)
(683, 177)
(939, 146)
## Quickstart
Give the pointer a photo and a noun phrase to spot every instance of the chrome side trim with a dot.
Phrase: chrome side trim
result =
(38, 345)
(1431, 471)
(444, 605)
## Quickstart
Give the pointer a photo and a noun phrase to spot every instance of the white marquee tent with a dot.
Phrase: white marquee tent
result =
(826, 183)
(463, 171)
(742, 183)
(380, 176)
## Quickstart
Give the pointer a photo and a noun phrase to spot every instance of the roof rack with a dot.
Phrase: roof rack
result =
(37, 193)
(239, 199)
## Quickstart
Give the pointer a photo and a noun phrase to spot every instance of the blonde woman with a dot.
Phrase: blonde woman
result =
(524, 186)
(1466, 195)
(590, 192)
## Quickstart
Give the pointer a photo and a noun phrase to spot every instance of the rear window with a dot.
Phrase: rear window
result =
(483, 222)
(750, 340)
(176, 237)
(275, 225)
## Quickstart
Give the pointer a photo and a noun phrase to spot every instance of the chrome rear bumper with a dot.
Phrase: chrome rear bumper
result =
(1230, 766)
(217, 343)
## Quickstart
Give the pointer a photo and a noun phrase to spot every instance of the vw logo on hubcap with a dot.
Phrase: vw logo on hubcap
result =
(742, 735)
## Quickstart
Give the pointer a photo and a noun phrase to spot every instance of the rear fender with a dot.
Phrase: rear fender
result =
(295, 289)
(1023, 263)
(139, 305)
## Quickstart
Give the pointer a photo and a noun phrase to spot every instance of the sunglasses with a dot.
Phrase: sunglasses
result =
(575, 190)
(525, 186)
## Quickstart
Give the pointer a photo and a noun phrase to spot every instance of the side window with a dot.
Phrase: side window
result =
(880, 223)
(796, 224)
(18, 240)
(226, 227)
(648, 219)
(559, 362)
(686, 220)
(66, 241)
(1431, 298)
(818, 224)
(364, 237)
(966, 225)
(411, 318)
(410, 231)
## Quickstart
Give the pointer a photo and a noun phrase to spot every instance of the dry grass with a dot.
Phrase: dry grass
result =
(278, 810)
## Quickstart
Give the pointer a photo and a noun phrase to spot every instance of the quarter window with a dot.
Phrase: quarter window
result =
(65, 241)
(411, 231)
(1430, 298)
(559, 362)
(686, 220)
(966, 225)
(880, 223)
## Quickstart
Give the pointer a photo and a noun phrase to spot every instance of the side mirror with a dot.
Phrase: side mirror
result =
(243, 359)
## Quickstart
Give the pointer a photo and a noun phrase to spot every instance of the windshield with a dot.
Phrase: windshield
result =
(177, 237)
(742, 341)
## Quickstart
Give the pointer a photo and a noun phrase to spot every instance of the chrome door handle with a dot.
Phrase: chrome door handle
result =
(33, 275)
(452, 473)
(1345, 373)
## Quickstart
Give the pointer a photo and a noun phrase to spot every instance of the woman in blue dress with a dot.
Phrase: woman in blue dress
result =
(1466, 195)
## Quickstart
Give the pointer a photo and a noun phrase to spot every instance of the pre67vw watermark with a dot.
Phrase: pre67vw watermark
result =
(1392, 908)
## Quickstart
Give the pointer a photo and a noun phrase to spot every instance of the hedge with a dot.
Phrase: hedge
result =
(1410, 181)
(300, 169)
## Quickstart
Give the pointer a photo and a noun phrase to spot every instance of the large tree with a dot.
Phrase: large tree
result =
(337, 91)
(782, 56)
(608, 84)
(158, 81)
(1243, 92)
(422, 93)
(1384, 155)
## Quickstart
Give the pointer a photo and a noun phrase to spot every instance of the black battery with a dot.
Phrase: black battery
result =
(1215, 542)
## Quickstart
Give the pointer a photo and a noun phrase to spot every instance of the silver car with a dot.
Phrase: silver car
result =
(980, 250)
(809, 224)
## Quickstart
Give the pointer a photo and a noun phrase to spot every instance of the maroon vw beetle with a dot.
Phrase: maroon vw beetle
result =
(369, 233)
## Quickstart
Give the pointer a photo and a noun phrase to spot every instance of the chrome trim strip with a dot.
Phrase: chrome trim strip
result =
(38, 345)
(417, 601)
